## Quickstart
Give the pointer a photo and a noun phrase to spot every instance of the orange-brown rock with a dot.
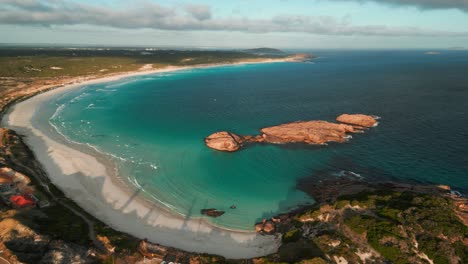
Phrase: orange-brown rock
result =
(444, 188)
(224, 141)
(269, 227)
(357, 119)
(309, 132)
(265, 227)
(259, 227)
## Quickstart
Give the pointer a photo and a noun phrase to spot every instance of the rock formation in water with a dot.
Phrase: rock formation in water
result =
(224, 141)
(358, 120)
(308, 132)
(212, 212)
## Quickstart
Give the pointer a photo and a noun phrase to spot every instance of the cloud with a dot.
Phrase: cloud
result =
(190, 17)
(200, 12)
(423, 4)
(27, 4)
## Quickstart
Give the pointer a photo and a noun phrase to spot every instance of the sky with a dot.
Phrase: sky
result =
(336, 24)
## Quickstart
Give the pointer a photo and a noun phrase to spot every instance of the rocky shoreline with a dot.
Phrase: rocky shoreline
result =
(306, 132)
(329, 190)
(355, 221)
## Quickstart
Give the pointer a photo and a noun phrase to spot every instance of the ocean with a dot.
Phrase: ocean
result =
(153, 128)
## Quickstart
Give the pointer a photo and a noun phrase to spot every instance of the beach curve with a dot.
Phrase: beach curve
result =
(87, 181)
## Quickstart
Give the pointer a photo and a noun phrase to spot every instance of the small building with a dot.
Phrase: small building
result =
(22, 201)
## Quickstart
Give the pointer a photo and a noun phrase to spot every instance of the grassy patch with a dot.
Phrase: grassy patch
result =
(44, 63)
(47, 66)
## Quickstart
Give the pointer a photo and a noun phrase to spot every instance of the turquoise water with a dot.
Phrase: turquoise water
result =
(154, 127)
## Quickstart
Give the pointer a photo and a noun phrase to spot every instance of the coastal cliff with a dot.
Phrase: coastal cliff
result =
(307, 132)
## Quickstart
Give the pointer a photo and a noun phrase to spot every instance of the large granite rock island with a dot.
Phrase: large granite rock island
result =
(307, 132)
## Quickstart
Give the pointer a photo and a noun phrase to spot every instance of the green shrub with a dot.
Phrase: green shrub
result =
(389, 213)
(292, 235)
(341, 204)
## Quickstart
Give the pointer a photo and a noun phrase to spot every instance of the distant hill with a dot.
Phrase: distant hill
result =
(264, 51)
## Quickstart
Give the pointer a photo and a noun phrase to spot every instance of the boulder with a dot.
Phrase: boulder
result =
(358, 120)
(259, 227)
(212, 212)
(265, 227)
(269, 227)
(224, 141)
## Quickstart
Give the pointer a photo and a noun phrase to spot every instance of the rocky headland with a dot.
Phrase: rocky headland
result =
(307, 132)
(356, 221)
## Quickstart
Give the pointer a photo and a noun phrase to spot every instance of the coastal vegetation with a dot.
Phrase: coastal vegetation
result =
(56, 62)
(382, 225)
(264, 51)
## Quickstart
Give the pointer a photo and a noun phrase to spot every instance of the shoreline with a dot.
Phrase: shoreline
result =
(78, 174)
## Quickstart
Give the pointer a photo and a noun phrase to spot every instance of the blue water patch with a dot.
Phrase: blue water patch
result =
(154, 127)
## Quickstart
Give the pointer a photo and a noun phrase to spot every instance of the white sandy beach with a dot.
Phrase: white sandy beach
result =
(87, 181)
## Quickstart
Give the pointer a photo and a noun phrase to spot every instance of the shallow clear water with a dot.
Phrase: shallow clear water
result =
(154, 126)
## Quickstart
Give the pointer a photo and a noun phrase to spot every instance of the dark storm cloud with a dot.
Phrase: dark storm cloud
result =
(190, 17)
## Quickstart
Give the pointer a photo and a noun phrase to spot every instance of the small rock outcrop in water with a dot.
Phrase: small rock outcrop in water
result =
(358, 120)
(309, 132)
(224, 141)
(212, 212)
